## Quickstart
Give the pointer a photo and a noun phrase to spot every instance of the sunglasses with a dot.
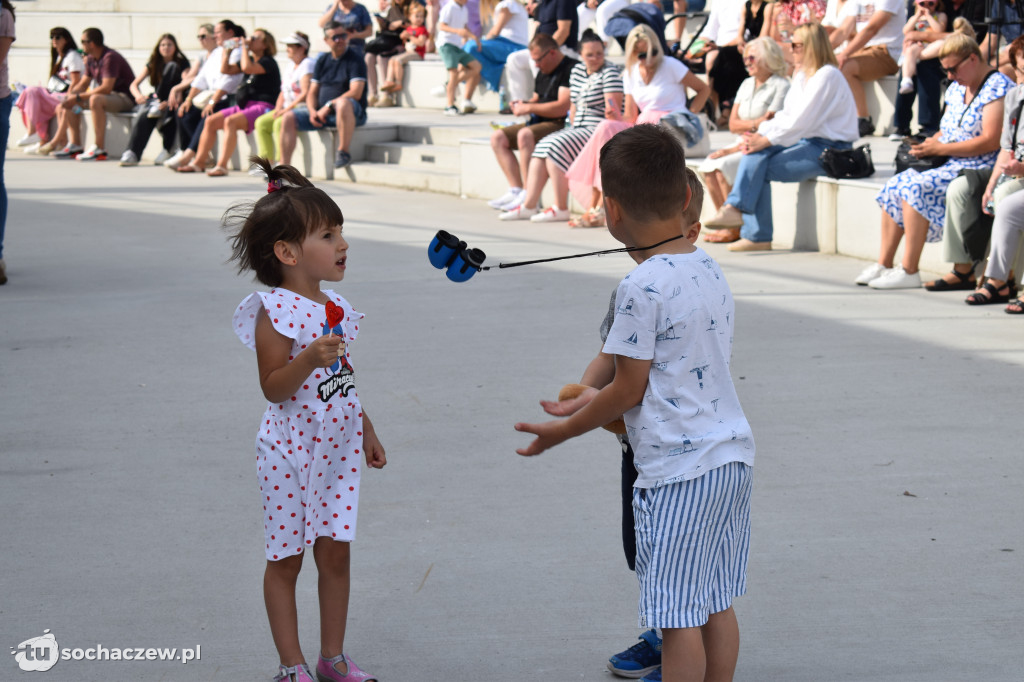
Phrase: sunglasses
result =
(641, 55)
(55, 36)
(86, 41)
(338, 37)
(202, 36)
(797, 46)
(749, 59)
(951, 71)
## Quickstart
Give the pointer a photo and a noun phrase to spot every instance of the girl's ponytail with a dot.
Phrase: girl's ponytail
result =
(278, 177)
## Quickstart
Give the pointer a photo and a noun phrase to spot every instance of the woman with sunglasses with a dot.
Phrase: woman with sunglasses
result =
(653, 87)
(208, 41)
(40, 104)
(757, 100)
(818, 113)
(913, 203)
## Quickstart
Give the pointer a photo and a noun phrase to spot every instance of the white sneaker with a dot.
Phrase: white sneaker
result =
(873, 271)
(511, 194)
(174, 161)
(551, 215)
(468, 107)
(29, 139)
(129, 158)
(906, 85)
(33, 148)
(518, 213)
(154, 110)
(94, 154)
(161, 157)
(897, 278)
(439, 91)
(896, 137)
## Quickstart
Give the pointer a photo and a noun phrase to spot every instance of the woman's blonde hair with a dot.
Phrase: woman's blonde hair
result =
(269, 43)
(817, 49)
(959, 45)
(961, 25)
(642, 33)
(769, 53)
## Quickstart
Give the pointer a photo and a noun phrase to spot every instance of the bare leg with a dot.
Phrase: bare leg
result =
(279, 595)
(721, 635)
(506, 159)
(74, 126)
(208, 139)
(98, 106)
(452, 87)
(289, 136)
(472, 79)
(851, 70)
(371, 76)
(559, 183)
(346, 122)
(535, 179)
(718, 188)
(526, 144)
(682, 655)
(915, 226)
(332, 565)
(892, 234)
(233, 125)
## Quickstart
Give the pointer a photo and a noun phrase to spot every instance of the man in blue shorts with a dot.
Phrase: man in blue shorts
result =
(337, 95)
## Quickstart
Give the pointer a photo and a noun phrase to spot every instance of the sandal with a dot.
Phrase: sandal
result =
(1015, 307)
(965, 282)
(326, 672)
(989, 293)
(726, 236)
(591, 218)
(217, 172)
(189, 168)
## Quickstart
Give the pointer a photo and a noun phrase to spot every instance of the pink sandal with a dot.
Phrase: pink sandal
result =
(296, 673)
(326, 672)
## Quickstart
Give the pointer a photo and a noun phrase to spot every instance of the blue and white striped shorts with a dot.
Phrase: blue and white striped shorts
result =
(692, 541)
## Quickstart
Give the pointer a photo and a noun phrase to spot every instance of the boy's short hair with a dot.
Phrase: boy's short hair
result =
(692, 212)
(644, 169)
(542, 41)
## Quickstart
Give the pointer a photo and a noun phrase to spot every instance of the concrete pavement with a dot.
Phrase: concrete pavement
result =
(887, 514)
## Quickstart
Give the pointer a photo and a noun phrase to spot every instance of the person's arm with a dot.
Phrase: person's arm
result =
(937, 22)
(1005, 156)
(562, 32)
(248, 65)
(875, 23)
(75, 77)
(312, 103)
(279, 377)
(598, 374)
(329, 14)
(500, 19)
(553, 110)
(701, 91)
(364, 16)
(226, 66)
(372, 449)
(843, 31)
(134, 87)
(986, 142)
(911, 22)
(625, 391)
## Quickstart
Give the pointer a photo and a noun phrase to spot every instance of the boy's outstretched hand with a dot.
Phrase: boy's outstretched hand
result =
(568, 406)
(549, 434)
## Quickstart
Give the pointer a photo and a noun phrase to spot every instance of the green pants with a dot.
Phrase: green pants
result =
(268, 136)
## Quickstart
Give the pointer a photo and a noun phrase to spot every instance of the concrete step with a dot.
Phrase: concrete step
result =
(415, 155)
(461, 128)
(402, 177)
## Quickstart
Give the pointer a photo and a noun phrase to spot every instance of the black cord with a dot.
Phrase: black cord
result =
(581, 255)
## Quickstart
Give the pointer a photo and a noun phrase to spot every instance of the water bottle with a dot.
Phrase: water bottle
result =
(502, 99)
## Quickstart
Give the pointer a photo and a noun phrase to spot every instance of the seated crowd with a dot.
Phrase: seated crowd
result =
(787, 77)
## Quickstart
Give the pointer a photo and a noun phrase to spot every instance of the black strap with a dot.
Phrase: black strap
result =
(581, 255)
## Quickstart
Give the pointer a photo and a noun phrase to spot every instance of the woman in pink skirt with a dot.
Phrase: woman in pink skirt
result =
(38, 104)
(653, 86)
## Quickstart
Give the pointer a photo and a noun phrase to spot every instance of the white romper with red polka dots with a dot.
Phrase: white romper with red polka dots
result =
(308, 452)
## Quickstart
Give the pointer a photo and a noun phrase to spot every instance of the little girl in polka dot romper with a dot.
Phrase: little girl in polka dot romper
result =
(314, 432)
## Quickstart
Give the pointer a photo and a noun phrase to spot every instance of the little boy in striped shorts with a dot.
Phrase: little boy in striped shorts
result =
(693, 449)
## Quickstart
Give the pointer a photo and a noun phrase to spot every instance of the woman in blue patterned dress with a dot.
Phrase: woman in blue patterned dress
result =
(915, 203)
(596, 86)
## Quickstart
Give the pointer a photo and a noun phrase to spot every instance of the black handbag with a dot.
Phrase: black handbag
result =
(905, 160)
(848, 163)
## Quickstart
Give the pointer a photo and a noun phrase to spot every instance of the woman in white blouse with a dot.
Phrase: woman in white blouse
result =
(508, 32)
(757, 100)
(39, 104)
(819, 112)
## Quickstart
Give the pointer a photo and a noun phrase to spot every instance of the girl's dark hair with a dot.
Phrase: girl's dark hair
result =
(590, 36)
(69, 44)
(289, 213)
(156, 63)
(8, 6)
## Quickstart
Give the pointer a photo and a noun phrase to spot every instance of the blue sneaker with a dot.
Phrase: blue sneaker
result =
(652, 676)
(640, 659)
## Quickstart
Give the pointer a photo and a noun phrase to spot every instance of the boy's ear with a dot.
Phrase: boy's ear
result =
(692, 232)
(612, 211)
(285, 252)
